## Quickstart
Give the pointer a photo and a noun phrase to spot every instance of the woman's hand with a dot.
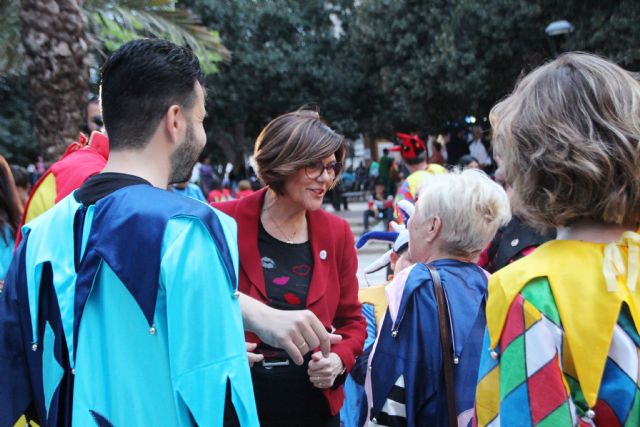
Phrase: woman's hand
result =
(324, 370)
(297, 331)
(253, 357)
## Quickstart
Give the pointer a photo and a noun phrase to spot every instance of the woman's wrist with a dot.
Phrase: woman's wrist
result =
(340, 368)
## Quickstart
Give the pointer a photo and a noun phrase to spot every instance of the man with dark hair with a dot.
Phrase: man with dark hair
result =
(121, 304)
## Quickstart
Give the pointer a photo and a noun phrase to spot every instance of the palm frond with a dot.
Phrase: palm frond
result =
(111, 23)
(118, 22)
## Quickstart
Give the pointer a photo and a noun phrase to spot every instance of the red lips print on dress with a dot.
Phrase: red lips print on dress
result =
(301, 270)
(292, 299)
(281, 281)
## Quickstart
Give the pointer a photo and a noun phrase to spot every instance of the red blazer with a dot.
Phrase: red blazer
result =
(333, 291)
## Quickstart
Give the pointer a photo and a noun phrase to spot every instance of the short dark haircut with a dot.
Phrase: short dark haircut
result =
(140, 81)
(292, 141)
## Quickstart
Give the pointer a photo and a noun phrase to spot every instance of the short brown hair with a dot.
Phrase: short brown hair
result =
(292, 141)
(568, 137)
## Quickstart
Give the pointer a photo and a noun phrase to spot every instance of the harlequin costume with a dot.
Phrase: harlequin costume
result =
(99, 331)
(562, 340)
(413, 149)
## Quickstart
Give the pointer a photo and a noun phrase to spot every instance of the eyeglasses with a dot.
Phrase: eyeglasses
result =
(315, 170)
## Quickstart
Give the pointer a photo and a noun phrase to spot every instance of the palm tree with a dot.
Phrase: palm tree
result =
(55, 41)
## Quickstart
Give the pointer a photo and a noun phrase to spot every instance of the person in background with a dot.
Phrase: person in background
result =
(561, 346)
(295, 256)
(374, 169)
(10, 211)
(384, 168)
(218, 193)
(513, 241)
(93, 117)
(337, 197)
(81, 159)
(414, 157)
(362, 177)
(348, 180)
(23, 183)
(456, 146)
(379, 206)
(208, 178)
(469, 162)
(40, 166)
(188, 189)
(437, 157)
(455, 217)
(480, 149)
(244, 189)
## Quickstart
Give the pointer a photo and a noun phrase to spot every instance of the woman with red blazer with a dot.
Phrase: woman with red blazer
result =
(296, 256)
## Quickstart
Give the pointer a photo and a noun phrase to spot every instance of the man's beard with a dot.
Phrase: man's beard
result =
(184, 158)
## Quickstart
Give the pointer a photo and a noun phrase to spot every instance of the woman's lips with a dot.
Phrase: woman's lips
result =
(317, 192)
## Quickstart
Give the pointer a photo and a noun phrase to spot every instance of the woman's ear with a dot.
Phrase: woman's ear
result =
(434, 228)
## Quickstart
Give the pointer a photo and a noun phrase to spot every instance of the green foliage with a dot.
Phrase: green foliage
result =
(286, 55)
(109, 24)
(426, 63)
(121, 21)
(371, 66)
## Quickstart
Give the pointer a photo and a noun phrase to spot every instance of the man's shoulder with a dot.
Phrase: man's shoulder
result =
(148, 200)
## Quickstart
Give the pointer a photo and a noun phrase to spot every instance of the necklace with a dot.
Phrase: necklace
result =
(286, 236)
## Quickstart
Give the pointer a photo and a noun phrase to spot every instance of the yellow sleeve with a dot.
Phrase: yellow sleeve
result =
(42, 199)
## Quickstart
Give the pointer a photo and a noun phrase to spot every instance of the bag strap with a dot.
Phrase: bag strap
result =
(445, 345)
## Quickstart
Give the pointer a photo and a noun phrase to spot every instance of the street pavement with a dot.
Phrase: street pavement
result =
(372, 251)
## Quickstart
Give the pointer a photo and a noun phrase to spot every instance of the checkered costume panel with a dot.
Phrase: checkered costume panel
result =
(532, 381)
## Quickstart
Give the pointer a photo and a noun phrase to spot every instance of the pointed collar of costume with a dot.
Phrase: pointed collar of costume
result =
(119, 230)
(320, 237)
(589, 278)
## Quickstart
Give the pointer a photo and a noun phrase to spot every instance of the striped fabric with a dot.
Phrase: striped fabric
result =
(533, 381)
(394, 411)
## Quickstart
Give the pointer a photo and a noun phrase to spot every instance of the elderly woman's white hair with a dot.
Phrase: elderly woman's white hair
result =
(470, 206)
